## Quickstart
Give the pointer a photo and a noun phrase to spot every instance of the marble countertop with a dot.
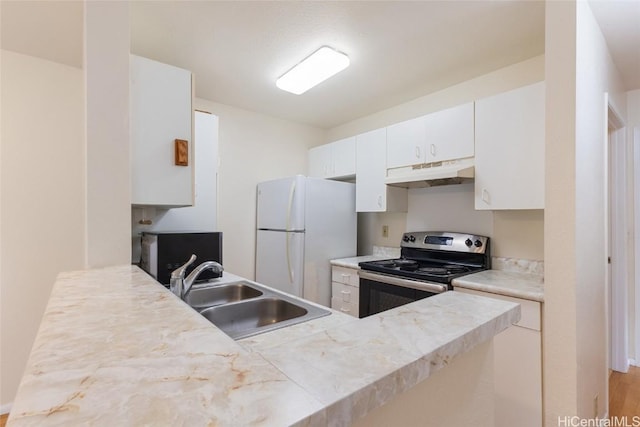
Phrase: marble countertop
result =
(512, 284)
(116, 348)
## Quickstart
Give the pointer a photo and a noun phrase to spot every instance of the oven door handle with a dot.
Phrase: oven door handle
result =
(436, 288)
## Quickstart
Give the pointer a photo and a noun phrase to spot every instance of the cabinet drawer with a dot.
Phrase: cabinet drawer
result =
(531, 310)
(344, 307)
(348, 276)
(344, 292)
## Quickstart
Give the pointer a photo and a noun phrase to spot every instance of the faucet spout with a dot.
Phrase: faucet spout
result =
(180, 285)
(176, 284)
(193, 276)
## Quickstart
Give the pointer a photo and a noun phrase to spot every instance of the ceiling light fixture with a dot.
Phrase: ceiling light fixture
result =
(314, 69)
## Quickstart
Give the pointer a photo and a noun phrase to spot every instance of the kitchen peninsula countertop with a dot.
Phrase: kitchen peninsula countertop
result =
(512, 284)
(116, 348)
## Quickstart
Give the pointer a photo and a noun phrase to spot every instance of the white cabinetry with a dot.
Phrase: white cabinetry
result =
(509, 159)
(518, 366)
(334, 160)
(449, 133)
(406, 143)
(161, 112)
(345, 290)
(372, 194)
(440, 136)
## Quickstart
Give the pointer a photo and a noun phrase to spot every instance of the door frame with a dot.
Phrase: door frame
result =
(616, 224)
(635, 143)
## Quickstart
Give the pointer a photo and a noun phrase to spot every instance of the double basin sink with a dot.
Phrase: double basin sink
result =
(243, 309)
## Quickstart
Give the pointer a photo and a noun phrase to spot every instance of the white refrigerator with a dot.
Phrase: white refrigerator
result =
(302, 223)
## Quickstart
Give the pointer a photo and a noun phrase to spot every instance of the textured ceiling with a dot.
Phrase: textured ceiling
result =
(399, 50)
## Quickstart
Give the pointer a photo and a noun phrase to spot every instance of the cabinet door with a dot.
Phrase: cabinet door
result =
(161, 112)
(449, 133)
(509, 159)
(320, 161)
(343, 158)
(371, 170)
(406, 143)
(517, 354)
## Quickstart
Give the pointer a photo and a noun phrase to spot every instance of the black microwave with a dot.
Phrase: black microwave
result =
(164, 251)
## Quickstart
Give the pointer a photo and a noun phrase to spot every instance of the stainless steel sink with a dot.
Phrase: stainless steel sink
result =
(221, 294)
(243, 309)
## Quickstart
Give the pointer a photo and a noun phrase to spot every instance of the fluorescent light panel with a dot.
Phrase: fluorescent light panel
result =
(316, 68)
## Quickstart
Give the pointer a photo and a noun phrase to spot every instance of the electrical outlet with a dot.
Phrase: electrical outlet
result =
(385, 231)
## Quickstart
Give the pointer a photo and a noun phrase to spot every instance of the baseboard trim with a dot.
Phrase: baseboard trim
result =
(6, 408)
(634, 363)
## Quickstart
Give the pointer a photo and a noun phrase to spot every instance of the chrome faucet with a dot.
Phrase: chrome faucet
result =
(180, 285)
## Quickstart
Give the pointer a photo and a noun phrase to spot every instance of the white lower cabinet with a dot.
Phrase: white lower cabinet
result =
(518, 366)
(345, 290)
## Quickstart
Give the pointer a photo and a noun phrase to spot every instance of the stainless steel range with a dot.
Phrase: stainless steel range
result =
(429, 261)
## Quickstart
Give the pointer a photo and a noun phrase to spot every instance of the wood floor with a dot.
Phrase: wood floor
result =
(624, 393)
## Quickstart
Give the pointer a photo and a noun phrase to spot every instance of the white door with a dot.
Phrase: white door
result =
(281, 204)
(279, 260)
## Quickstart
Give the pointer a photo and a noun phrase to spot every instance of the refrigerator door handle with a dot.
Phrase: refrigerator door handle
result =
(288, 236)
(292, 191)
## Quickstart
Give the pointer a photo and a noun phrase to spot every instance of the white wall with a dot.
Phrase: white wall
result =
(203, 215)
(458, 213)
(252, 148)
(447, 207)
(106, 66)
(42, 198)
(578, 72)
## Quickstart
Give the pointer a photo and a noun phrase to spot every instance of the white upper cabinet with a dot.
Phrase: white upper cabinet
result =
(509, 158)
(440, 136)
(161, 113)
(372, 194)
(334, 160)
(406, 143)
(344, 157)
(320, 161)
(449, 133)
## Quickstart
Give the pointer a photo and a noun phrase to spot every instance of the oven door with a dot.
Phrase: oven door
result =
(380, 292)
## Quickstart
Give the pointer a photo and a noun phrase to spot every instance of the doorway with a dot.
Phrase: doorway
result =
(617, 226)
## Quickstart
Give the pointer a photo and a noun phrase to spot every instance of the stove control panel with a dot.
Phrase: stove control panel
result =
(445, 241)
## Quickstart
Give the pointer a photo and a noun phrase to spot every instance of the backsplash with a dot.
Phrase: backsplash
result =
(386, 251)
(515, 265)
